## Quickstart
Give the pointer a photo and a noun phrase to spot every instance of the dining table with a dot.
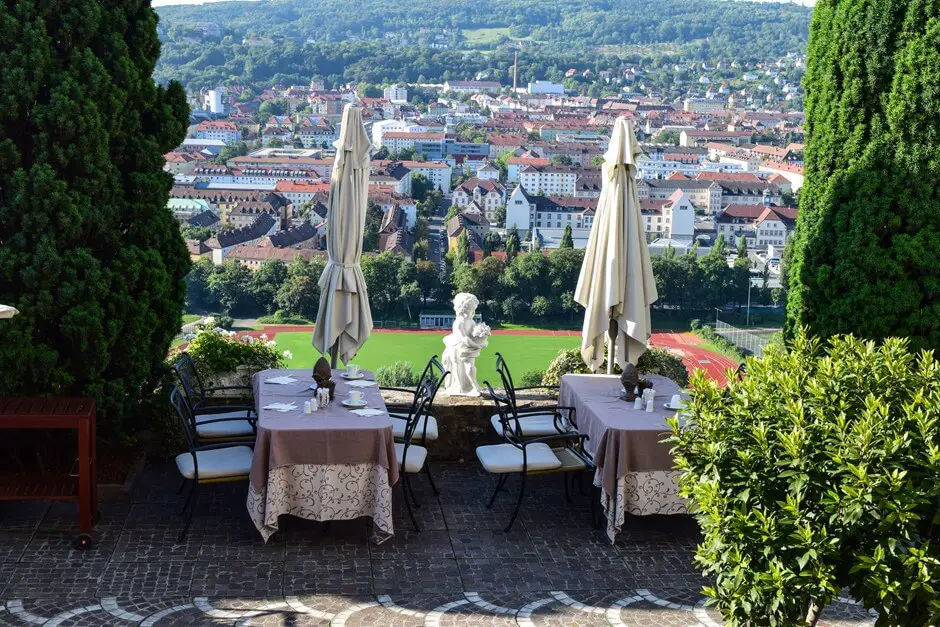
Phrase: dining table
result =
(634, 466)
(330, 464)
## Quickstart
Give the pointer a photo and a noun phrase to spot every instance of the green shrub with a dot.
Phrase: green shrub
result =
(532, 378)
(724, 346)
(282, 317)
(818, 471)
(695, 324)
(654, 361)
(401, 374)
(220, 320)
(218, 352)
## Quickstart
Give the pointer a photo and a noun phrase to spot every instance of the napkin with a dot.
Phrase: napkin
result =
(361, 384)
(281, 380)
(368, 412)
(281, 407)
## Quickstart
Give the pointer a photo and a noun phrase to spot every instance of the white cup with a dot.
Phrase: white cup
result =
(355, 396)
(352, 370)
(675, 400)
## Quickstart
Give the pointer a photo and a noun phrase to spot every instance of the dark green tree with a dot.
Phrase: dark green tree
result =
(420, 186)
(567, 241)
(868, 233)
(89, 253)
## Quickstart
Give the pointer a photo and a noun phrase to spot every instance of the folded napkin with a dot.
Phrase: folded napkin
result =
(281, 380)
(281, 407)
(368, 412)
(361, 384)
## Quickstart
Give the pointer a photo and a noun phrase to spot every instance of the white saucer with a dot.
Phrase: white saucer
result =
(314, 387)
(348, 402)
(673, 407)
(352, 377)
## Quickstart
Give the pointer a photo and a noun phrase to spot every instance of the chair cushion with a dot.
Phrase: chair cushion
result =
(399, 421)
(416, 456)
(233, 461)
(532, 425)
(231, 428)
(501, 458)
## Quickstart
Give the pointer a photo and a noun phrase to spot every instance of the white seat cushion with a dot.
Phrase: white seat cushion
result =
(502, 458)
(234, 461)
(231, 428)
(416, 457)
(399, 421)
(532, 425)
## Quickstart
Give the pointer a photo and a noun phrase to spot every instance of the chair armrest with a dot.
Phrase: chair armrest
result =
(222, 409)
(390, 389)
(220, 445)
(228, 387)
(573, 437)
(253, 421)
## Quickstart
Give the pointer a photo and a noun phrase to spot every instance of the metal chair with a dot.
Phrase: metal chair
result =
(412, 457)
(214, 423)
(207, 463)
(427, 426)
(529, 456)
(533, 421)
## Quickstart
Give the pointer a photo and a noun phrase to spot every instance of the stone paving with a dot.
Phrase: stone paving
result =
(553, 569)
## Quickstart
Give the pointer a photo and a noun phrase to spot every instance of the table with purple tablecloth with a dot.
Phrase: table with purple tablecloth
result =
(328, 465)
(634, 467)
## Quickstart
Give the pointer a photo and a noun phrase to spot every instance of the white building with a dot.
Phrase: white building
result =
(550, 180)
(213, 100)
(438, 172)
(488, 172)
(671, 219)
(548, 217)
(546, 87)
(488, 194)
(396, 94)
(222, 131)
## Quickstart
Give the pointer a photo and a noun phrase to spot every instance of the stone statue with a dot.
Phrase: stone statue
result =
(630, 379)
(462, 347)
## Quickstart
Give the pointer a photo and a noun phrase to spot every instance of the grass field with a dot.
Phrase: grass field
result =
(522, 353)
(187, 318)
(483, 37)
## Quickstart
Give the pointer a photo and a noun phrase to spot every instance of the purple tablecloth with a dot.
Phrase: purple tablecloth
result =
(325, 437)
(622, 439)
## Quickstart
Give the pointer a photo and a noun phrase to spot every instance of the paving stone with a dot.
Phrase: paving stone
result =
(13, 544)
(152, 579)
(22, 515)
(66, 579)
(503, 576)
(221, 539)
(256, 580)
(335, 576)
(429, 514)
(413, 544)
(562, 542)
(492, 544)
(341, 539)
(54, 539)
(416, 576)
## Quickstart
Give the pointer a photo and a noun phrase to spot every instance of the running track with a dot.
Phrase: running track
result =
(685, 345)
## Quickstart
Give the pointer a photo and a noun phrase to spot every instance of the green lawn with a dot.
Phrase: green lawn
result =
(522, 353)
(484, 36)
(187, 318)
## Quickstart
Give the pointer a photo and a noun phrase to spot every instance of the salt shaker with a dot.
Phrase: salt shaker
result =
(638, 402)
(649, 406)
(307, 408)
(314, 404)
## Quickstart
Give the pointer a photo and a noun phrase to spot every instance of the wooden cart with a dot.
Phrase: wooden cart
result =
(78, 486)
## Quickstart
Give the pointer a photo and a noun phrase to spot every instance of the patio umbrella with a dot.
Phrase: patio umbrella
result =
(344, 320)
(7, 312)
(616, 285)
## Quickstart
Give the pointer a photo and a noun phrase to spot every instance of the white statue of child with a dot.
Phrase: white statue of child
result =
(462, 347)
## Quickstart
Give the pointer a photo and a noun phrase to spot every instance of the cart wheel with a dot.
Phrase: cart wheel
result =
(83, 542)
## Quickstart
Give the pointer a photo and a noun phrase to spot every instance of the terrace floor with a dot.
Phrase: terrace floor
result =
(554, 568)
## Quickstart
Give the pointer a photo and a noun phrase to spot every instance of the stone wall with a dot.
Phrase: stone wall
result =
(463, 422)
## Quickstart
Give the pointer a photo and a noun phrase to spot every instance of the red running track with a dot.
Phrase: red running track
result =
(686, 345)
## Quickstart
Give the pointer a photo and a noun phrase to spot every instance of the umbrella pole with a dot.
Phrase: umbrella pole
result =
(612, 329)
(333, 354)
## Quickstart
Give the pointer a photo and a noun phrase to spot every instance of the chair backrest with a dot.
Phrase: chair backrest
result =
(191, 382)
(508, 417)
(184, 416)
(509, 388)
(433, 375)
(423, 395)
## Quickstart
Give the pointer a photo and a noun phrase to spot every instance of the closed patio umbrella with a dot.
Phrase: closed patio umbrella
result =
(7, 312)
(344, 320)
(616, 285)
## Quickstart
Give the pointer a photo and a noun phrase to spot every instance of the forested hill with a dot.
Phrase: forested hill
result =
(256, 41)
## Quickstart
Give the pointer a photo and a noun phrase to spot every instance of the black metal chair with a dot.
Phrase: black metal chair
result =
(206, 463)
(427, 426)
(412, 457)
(214, 423)
(529, 456)
(533, 421)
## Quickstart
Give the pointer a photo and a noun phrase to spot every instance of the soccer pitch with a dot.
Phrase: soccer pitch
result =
(523, 353)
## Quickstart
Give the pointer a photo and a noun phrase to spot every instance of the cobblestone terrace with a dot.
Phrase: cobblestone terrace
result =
(461, 569)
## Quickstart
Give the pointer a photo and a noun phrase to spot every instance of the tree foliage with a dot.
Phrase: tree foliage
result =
(89, 253)
(868, 234)
(817, 471)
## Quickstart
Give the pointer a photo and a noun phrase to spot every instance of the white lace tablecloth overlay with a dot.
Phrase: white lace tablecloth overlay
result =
(641, 494)
(324, 492)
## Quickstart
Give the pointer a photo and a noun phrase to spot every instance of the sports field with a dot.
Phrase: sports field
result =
(523, 353)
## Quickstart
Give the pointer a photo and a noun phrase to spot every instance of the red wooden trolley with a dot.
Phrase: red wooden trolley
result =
(78, 487)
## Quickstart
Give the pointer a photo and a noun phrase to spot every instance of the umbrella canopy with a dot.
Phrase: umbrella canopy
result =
(344, 320)
(616, 285)
(7, 312)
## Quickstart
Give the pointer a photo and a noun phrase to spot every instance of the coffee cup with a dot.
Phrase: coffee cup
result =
(675, 400)
(355, 396)
(352, 370)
